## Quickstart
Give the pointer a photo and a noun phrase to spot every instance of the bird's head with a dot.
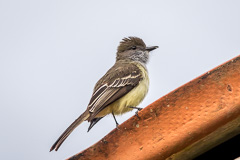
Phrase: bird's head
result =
(133, 48)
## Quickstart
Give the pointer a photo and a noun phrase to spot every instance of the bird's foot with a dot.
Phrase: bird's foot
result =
(117, 126)
(138, 109)
(115, 121)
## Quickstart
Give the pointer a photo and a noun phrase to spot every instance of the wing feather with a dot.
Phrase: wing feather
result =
(116, 83)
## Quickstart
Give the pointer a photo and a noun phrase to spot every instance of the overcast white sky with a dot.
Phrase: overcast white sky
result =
(52, 52)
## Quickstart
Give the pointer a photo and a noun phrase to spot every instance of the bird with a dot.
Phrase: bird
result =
(120, 90)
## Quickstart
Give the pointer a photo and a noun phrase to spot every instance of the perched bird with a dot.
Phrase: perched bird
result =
(120, 90)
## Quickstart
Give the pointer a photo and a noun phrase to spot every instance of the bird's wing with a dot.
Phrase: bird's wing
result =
(116, 83)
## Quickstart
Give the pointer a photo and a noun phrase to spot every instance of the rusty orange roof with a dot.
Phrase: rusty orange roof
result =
(181, 125)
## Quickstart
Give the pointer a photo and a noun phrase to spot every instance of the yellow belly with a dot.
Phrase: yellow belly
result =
(132, 99)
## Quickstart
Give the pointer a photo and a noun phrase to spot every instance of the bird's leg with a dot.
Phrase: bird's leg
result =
(138, 109)
(115, 120)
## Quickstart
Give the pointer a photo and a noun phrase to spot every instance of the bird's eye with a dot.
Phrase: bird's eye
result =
(133, 47)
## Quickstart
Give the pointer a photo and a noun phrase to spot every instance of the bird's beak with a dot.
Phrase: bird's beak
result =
(149, 49)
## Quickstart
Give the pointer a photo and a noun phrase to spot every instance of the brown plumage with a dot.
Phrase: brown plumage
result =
(117, 82)
(123, 86)
(129, 42)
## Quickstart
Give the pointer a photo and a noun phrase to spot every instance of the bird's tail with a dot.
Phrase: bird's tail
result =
(69, 130)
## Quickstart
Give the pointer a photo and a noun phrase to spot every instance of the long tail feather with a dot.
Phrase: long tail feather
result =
(69, 130)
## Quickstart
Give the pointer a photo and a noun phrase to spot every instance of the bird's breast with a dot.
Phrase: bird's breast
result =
(134, 97)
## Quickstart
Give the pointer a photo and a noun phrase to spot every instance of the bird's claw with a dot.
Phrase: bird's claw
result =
(138, 109)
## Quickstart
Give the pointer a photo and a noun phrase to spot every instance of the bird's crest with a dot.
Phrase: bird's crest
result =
(129, 42)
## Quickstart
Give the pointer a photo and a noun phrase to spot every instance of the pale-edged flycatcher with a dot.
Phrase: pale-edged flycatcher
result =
(120, 90)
